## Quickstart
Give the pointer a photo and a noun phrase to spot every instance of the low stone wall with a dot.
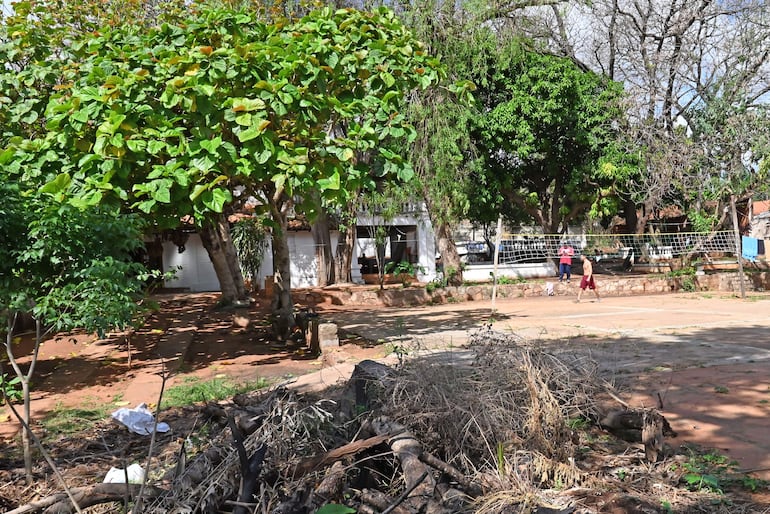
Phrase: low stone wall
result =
(608, 285)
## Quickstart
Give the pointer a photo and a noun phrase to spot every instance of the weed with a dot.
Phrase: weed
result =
(401, 353)
(403, 268)
(507, 281)
(721, 389)
(688, 284)
(9, 388)
(684, 272)
(712, 472)
(579, 423)
(68, 420)
(193, 390)
(437, 283)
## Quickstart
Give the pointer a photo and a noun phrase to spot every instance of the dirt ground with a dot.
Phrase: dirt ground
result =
(702, 359)
(187, 338)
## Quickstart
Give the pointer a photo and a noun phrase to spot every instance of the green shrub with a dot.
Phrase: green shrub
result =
(10, 388)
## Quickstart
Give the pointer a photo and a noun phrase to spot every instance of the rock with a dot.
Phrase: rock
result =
(241, 321)
(327, 335)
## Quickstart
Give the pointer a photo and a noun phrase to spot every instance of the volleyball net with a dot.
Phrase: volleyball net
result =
(524, 248)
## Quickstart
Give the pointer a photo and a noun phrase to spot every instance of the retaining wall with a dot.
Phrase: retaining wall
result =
(608, 285)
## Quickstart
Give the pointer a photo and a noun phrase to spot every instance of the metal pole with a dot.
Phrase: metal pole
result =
(498, 237)
(738, 252)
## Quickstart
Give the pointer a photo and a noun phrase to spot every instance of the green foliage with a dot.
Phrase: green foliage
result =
(194, 390)
(578, 423)
(546, 127)
(70, 268)
(437, 283)
(9, 388)
(714, 472)
(682, 272)
(505, 281)
(403, 268)
(686, 277)
(702, 221)
(169, 119)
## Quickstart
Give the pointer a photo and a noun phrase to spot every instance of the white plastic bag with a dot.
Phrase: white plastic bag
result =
(118, 475)
(139, 420)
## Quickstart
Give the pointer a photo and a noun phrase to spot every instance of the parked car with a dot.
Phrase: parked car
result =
(473, 251)
(523, 249)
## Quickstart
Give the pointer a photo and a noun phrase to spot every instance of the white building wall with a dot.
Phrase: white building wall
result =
(426, 241)
(197, 272)
(304, 268)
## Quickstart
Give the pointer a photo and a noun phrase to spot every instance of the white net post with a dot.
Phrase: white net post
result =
(498, 238)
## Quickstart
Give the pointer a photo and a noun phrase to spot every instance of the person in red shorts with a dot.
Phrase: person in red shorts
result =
(588, 279)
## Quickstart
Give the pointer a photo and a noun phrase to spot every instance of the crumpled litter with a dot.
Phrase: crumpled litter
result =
(139, 420)
(118, 475)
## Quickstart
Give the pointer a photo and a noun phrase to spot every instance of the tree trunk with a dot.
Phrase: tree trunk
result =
(345, 245)
(632, 218)
(216, 239)
(282, 305)
(450, 259)
(323, 248)
(25, 379)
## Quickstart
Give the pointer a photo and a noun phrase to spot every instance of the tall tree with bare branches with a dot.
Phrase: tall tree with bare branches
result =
(677, 60)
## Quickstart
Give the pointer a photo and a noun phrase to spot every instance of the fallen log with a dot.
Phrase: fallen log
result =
(418, 478)
(647, 426)
(367, 378)
(331, 486)
(85, 497)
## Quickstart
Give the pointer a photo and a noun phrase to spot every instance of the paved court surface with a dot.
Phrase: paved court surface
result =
(704, 357)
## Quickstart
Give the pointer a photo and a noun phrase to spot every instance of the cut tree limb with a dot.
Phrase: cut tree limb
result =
(319, 461)
(251, 466)
(331, 486)
(381, 501)
(417, 475)
(470, 488)
(86, 497)
(647, 426)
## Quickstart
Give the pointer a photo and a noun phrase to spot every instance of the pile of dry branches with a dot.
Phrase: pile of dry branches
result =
(498, 427)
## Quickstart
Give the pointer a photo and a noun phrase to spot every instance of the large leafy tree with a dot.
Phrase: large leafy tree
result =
(170, 120)
(67, 268)
(546, 129)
